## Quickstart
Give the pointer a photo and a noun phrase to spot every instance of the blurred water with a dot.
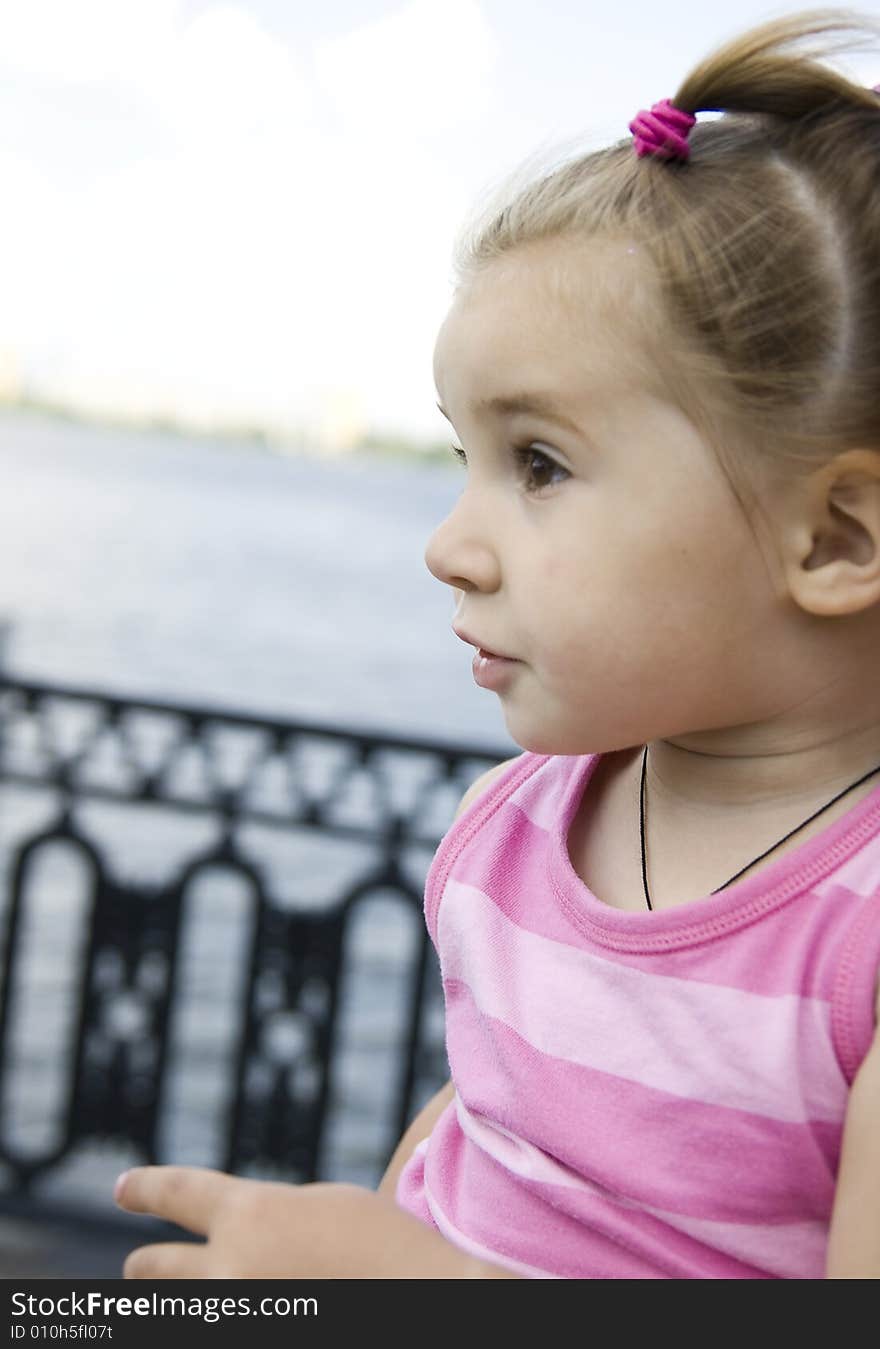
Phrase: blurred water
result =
(151, 564)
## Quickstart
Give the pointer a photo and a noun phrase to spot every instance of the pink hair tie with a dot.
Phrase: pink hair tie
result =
(663, 131)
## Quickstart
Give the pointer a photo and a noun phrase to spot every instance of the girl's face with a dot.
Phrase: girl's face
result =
(596, 539)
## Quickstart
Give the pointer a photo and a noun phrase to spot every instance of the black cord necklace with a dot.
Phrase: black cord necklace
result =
(857, 783)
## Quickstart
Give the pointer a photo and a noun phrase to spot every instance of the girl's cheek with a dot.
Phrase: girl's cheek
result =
(568, 654)
(558, 572)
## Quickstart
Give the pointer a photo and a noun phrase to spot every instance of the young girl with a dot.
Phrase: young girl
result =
(659, 925)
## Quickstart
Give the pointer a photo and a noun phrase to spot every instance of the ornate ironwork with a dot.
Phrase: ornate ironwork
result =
(254, 990)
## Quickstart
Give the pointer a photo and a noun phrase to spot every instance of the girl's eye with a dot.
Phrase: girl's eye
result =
(530, 461)
(536, 467)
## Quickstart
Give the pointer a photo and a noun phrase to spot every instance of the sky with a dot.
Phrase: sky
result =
(244, 213)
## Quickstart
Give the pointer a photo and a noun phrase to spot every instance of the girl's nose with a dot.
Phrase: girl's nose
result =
(460, 554)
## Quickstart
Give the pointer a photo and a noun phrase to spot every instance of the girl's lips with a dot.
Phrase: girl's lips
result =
(492, 671)
(481, 650)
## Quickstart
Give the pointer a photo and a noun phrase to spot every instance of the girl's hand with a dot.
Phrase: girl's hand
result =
(264, 1230)
(253, 1229)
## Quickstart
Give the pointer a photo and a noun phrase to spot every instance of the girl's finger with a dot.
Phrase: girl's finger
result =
(171, 1260)
(186, 1195)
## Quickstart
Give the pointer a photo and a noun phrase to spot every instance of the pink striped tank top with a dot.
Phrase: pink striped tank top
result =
(642, 1095)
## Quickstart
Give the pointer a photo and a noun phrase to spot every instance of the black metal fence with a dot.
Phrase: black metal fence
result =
(213, 949)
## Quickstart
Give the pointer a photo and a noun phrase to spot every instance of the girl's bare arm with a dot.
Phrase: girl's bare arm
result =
(854, 1239)
(419, 1129)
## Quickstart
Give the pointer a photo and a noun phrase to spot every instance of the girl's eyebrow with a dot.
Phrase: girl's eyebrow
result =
(509, 405)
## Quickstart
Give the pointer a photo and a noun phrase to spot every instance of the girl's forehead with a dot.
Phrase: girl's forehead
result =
(560, 310)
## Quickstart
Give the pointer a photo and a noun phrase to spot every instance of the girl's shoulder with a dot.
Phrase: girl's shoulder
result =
(480, 784)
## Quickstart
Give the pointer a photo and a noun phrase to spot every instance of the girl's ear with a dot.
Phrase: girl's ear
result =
(832, 558)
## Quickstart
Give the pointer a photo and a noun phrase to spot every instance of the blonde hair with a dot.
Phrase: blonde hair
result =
(765, 244)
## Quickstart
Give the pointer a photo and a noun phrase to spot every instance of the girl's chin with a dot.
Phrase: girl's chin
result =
(541, 738)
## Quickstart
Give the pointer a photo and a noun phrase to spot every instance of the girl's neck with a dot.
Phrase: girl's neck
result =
(710, 771)
(707, 814)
